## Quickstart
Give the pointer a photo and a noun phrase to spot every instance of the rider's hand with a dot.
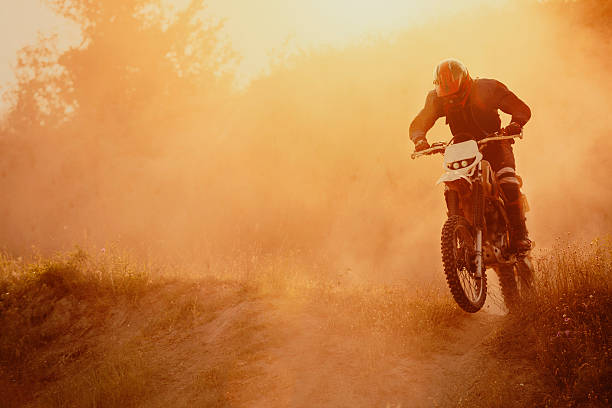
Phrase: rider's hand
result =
(512, 129)
(420, 145)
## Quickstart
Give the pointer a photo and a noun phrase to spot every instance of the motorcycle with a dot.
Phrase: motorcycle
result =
(476, 235)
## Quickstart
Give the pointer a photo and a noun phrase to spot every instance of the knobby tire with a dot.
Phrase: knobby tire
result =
(452, 226)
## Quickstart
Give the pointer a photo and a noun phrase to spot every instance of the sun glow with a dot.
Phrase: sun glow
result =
(257, 29)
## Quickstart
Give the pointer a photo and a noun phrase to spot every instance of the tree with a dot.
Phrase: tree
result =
(138, 68)
(90, 126)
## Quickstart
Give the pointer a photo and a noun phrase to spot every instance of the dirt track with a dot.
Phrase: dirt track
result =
(213, 344)
(316, 364)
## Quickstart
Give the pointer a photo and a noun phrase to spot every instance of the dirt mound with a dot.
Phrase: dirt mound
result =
(214, 343)
(73, 338)
(70, 343)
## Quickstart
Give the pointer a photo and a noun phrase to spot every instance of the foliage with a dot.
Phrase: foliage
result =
(567, 325)
(128, 66)
(94, 124)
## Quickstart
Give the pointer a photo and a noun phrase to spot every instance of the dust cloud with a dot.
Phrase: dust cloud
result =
(311, 161)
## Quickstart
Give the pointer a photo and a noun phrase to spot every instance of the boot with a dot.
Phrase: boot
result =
(519, 239)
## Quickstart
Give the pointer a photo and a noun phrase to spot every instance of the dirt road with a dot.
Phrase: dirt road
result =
(219, 344)
(317, 362)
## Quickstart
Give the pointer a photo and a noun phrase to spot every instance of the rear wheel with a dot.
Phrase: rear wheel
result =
(458, 257)
(516, 282)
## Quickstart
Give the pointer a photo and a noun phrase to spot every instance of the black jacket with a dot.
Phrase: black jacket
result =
(479, 117)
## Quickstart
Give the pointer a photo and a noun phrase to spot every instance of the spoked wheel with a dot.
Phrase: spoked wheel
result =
(458, 257)
(516, 281)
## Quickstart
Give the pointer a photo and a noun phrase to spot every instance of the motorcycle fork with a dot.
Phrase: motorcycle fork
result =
(478, 251)
(452, 202)
(478, 211)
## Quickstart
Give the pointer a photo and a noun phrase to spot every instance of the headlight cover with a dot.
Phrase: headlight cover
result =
(461, 164)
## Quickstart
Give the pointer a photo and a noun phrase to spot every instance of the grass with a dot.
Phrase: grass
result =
(412, 318)
(413, 321)
(87, 329)
(31, 292)
(566, 324)
(102, 330)
(120, 379)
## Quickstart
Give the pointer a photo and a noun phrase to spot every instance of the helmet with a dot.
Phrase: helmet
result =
(452, 79)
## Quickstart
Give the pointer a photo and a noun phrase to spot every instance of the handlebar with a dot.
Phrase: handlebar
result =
(496, 136)
(439, 147)
(432, 150)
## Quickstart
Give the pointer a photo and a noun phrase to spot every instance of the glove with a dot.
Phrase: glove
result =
(420, 145)
(512, 129)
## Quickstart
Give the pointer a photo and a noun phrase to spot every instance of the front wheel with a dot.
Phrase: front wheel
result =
(458, 257)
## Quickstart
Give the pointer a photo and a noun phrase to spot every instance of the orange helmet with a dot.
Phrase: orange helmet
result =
(452, 80)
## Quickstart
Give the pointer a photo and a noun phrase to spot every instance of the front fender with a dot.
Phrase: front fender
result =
(450, 177)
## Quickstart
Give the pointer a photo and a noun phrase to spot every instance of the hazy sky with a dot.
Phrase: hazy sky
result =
(258, 27)
(255, 28)
(20, 23)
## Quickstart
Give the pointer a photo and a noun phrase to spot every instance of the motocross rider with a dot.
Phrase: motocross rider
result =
(471, 110)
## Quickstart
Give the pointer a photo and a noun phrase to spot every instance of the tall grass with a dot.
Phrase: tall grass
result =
(31, 292)
(567, 322)
(87, 330)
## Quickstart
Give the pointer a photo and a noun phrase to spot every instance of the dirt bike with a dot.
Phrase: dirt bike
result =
(476, 234)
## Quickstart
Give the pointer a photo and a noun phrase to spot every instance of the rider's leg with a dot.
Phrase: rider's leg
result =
(501, 157)
(519, 239)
